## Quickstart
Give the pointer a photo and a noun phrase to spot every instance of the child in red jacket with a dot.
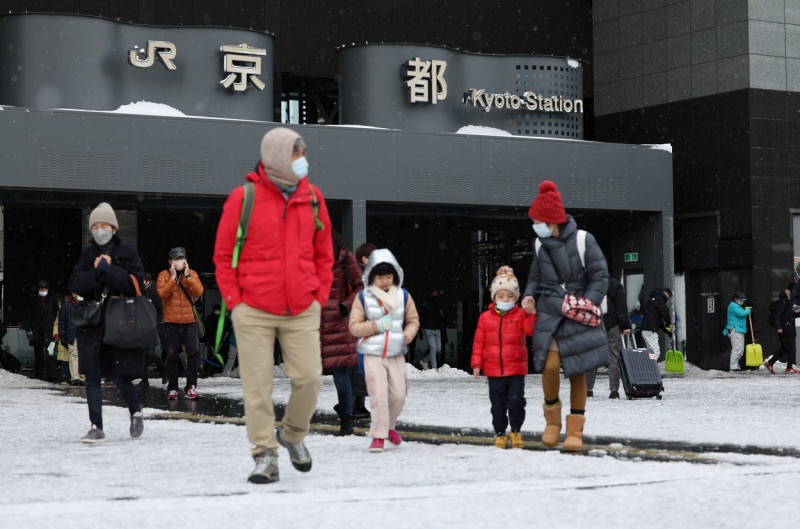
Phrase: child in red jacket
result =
(500, 351)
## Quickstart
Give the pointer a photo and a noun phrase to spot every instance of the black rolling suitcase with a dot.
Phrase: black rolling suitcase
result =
(640, 376)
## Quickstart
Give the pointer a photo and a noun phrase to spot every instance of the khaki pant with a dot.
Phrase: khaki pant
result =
(256, 331)
(387, 385)
(74, 374)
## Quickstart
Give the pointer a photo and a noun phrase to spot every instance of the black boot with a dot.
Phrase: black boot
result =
(345, 426)
(359, 410)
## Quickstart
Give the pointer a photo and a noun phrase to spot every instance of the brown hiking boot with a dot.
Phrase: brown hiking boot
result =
(552, 431)
(501, 441)
(574, 440)
(516, 439)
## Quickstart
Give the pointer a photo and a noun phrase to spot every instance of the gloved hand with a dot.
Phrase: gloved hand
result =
(384, 324)
(669, 328)
(55, 336)
(748, 308)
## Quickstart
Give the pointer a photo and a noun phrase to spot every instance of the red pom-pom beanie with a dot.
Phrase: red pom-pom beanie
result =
(547, 206)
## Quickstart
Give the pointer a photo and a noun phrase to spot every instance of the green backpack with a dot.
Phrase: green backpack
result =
(241, 236)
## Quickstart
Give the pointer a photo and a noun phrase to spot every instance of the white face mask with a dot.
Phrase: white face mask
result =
(179, 264)
(43, 293)
(300, 167)
(79, 298)
(505, 305)
(101, 236)
(542, 231)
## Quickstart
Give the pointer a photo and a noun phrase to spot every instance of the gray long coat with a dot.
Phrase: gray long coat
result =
(581, 347)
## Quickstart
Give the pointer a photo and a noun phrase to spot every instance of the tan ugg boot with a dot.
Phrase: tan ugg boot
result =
(574, 440)
(552, 431)
(516, 440)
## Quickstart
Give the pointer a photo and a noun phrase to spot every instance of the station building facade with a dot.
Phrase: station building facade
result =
(378, 94)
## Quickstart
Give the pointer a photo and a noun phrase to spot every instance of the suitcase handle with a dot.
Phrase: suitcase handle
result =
(633, 339)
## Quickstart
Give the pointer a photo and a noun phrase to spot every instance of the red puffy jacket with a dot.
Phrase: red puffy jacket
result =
(338, 345)
(286, 263)
(499, 348)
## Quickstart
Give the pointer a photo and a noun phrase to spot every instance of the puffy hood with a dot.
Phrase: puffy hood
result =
(382, 255)
(276, 155)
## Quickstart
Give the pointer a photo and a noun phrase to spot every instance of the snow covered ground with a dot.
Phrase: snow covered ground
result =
(184, 473)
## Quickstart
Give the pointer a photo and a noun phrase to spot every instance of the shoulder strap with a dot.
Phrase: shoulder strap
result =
(581, 240)
(318, 225)
(405, 297)
(361, 297)
(244, 221)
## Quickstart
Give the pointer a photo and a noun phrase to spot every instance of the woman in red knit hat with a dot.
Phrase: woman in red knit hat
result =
(559, 342)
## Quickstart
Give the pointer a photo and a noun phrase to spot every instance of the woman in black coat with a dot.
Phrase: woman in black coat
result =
(105, 266)
(559, 342)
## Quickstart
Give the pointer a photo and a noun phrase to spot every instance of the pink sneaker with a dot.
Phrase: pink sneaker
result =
(376, 446)
(172, 395)
(395, 437)
(191, 393)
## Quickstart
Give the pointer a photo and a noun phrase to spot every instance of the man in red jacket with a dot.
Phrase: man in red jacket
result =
(282, 281)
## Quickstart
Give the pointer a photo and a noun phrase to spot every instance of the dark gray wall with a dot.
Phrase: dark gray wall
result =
(68, 61)
(75, 150)
(373, 90)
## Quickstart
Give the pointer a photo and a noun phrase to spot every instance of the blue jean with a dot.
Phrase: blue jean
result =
(434, 337)
(94, 394)
(341, 379)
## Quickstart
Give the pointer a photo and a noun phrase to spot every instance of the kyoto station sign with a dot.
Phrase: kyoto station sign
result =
(90, 63)
(441, 90)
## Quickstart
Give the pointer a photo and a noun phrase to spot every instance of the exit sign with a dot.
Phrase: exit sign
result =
(631, 257)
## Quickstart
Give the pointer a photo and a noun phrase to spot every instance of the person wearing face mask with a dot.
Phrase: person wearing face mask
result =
(105, 269)
(151, 292)
(276, 288)
(179, 287)
(559, 342)
(39, 327)
(499, 350)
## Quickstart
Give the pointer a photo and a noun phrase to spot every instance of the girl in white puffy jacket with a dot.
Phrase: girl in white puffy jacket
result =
(384, 320)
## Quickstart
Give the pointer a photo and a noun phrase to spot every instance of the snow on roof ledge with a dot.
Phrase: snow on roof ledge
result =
(483, 131)
(659, 146)
(147, 108)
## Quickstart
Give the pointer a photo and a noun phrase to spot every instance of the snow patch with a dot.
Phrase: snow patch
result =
(148, 108)
(482, 131)
(573, 63)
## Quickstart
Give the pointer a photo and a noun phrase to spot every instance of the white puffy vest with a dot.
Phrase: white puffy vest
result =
(388, 343)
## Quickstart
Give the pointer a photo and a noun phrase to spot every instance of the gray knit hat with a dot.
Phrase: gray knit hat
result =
(103, 213)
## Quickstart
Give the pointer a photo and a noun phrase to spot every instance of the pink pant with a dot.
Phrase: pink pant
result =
(387, 385)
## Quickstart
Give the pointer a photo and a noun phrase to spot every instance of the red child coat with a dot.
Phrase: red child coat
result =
(499, 348)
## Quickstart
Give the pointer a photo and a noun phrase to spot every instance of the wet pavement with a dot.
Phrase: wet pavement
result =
(221, 409)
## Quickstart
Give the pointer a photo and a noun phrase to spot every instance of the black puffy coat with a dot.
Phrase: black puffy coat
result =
(784, 317)
(655, 316)
(617, 302)
(581, 347)
(114, 361)
(39, 321)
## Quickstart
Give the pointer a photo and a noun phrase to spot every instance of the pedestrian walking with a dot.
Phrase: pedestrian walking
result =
(67, 335)
(178, 287)
(276, 288)
(385, 320)
(656, 317)
(500, 352)
(560, 342)
(39, 328)
(782, 318)
(105, 269)
(338, 345)
(617, 323)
